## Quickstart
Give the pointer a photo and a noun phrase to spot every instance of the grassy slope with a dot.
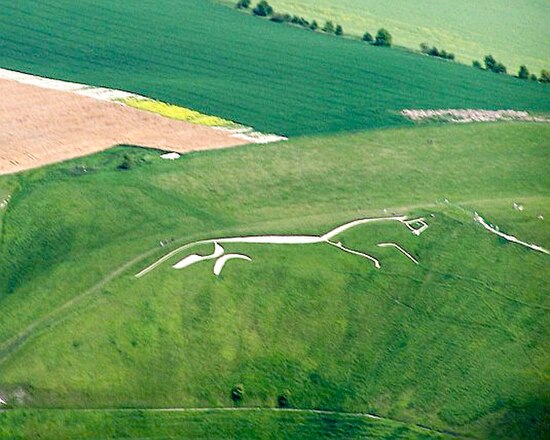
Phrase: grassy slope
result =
(514, 32)
(206, 56)
(456, 343)
(61, 425)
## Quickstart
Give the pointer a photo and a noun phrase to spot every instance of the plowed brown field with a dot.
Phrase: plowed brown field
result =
(40, 126)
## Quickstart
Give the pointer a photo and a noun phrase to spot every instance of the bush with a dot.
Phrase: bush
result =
(367, 37)
(127, 163)
(300, 21)
(434, 52)
(263, 9)
(523, 72)
(499, 68)
(328, 27)
(314, 26)
(477, 64)
(383, 38)
(237, 393)
(281, 18)
(533, 77)
(283, 399)
(243, 4)
(490, 62)
(545, 76)
(339, 30)
(494, 66)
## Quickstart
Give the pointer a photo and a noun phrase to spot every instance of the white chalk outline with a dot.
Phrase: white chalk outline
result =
(286, 240)
(510, 238)
(220, 262)
(399, 248)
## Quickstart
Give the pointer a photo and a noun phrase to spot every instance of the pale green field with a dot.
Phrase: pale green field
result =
(515, 32)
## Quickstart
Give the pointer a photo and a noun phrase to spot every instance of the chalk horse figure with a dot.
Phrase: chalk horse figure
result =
(416, 226)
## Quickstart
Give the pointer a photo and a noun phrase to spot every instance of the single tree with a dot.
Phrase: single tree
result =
(314, 26)
(533, 77)
(451, 56)
(339, 30)
(523, 72)
(367, 37)
(490, 62)
(499, 68)
(243, 4)
(383, 38)
(477, 64)
(328, 27)
(545, 76)
(263, 9)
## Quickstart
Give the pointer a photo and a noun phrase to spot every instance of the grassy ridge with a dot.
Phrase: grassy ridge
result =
(206, 56)
(457, 343)
(514, 33)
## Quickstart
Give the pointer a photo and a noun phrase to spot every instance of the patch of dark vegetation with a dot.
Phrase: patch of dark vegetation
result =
(283, 399)
(237, 393)
(435, 52)
(265, 10)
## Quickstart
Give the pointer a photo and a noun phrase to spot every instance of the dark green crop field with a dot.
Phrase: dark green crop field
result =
(458, 343)
(204, 55)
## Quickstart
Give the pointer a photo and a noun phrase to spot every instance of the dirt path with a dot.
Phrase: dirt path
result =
(40, 126)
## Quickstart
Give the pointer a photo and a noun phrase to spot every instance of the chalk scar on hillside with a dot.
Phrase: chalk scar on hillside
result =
(494, 229)
(416, 226)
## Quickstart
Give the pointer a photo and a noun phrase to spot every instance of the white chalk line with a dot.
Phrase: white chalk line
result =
(284, 239)
(399, 248)
(351, 251)
(220, 263)
(510, 238)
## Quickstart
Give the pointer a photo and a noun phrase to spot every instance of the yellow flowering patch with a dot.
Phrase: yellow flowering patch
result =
(176, 112)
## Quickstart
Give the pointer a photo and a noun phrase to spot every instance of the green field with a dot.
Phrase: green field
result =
(514, 32)
(458, 343)
(206, 56)
(261, 424)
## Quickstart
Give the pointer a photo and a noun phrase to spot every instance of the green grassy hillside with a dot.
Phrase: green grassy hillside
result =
(458, 343)
(197, 425)
(206, 56)
(514, 32)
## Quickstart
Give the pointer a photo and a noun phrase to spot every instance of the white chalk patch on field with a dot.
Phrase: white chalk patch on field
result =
(170, 156)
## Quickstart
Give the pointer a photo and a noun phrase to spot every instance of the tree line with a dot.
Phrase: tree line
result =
(382, 38)
(490, 64)
(264, 9)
